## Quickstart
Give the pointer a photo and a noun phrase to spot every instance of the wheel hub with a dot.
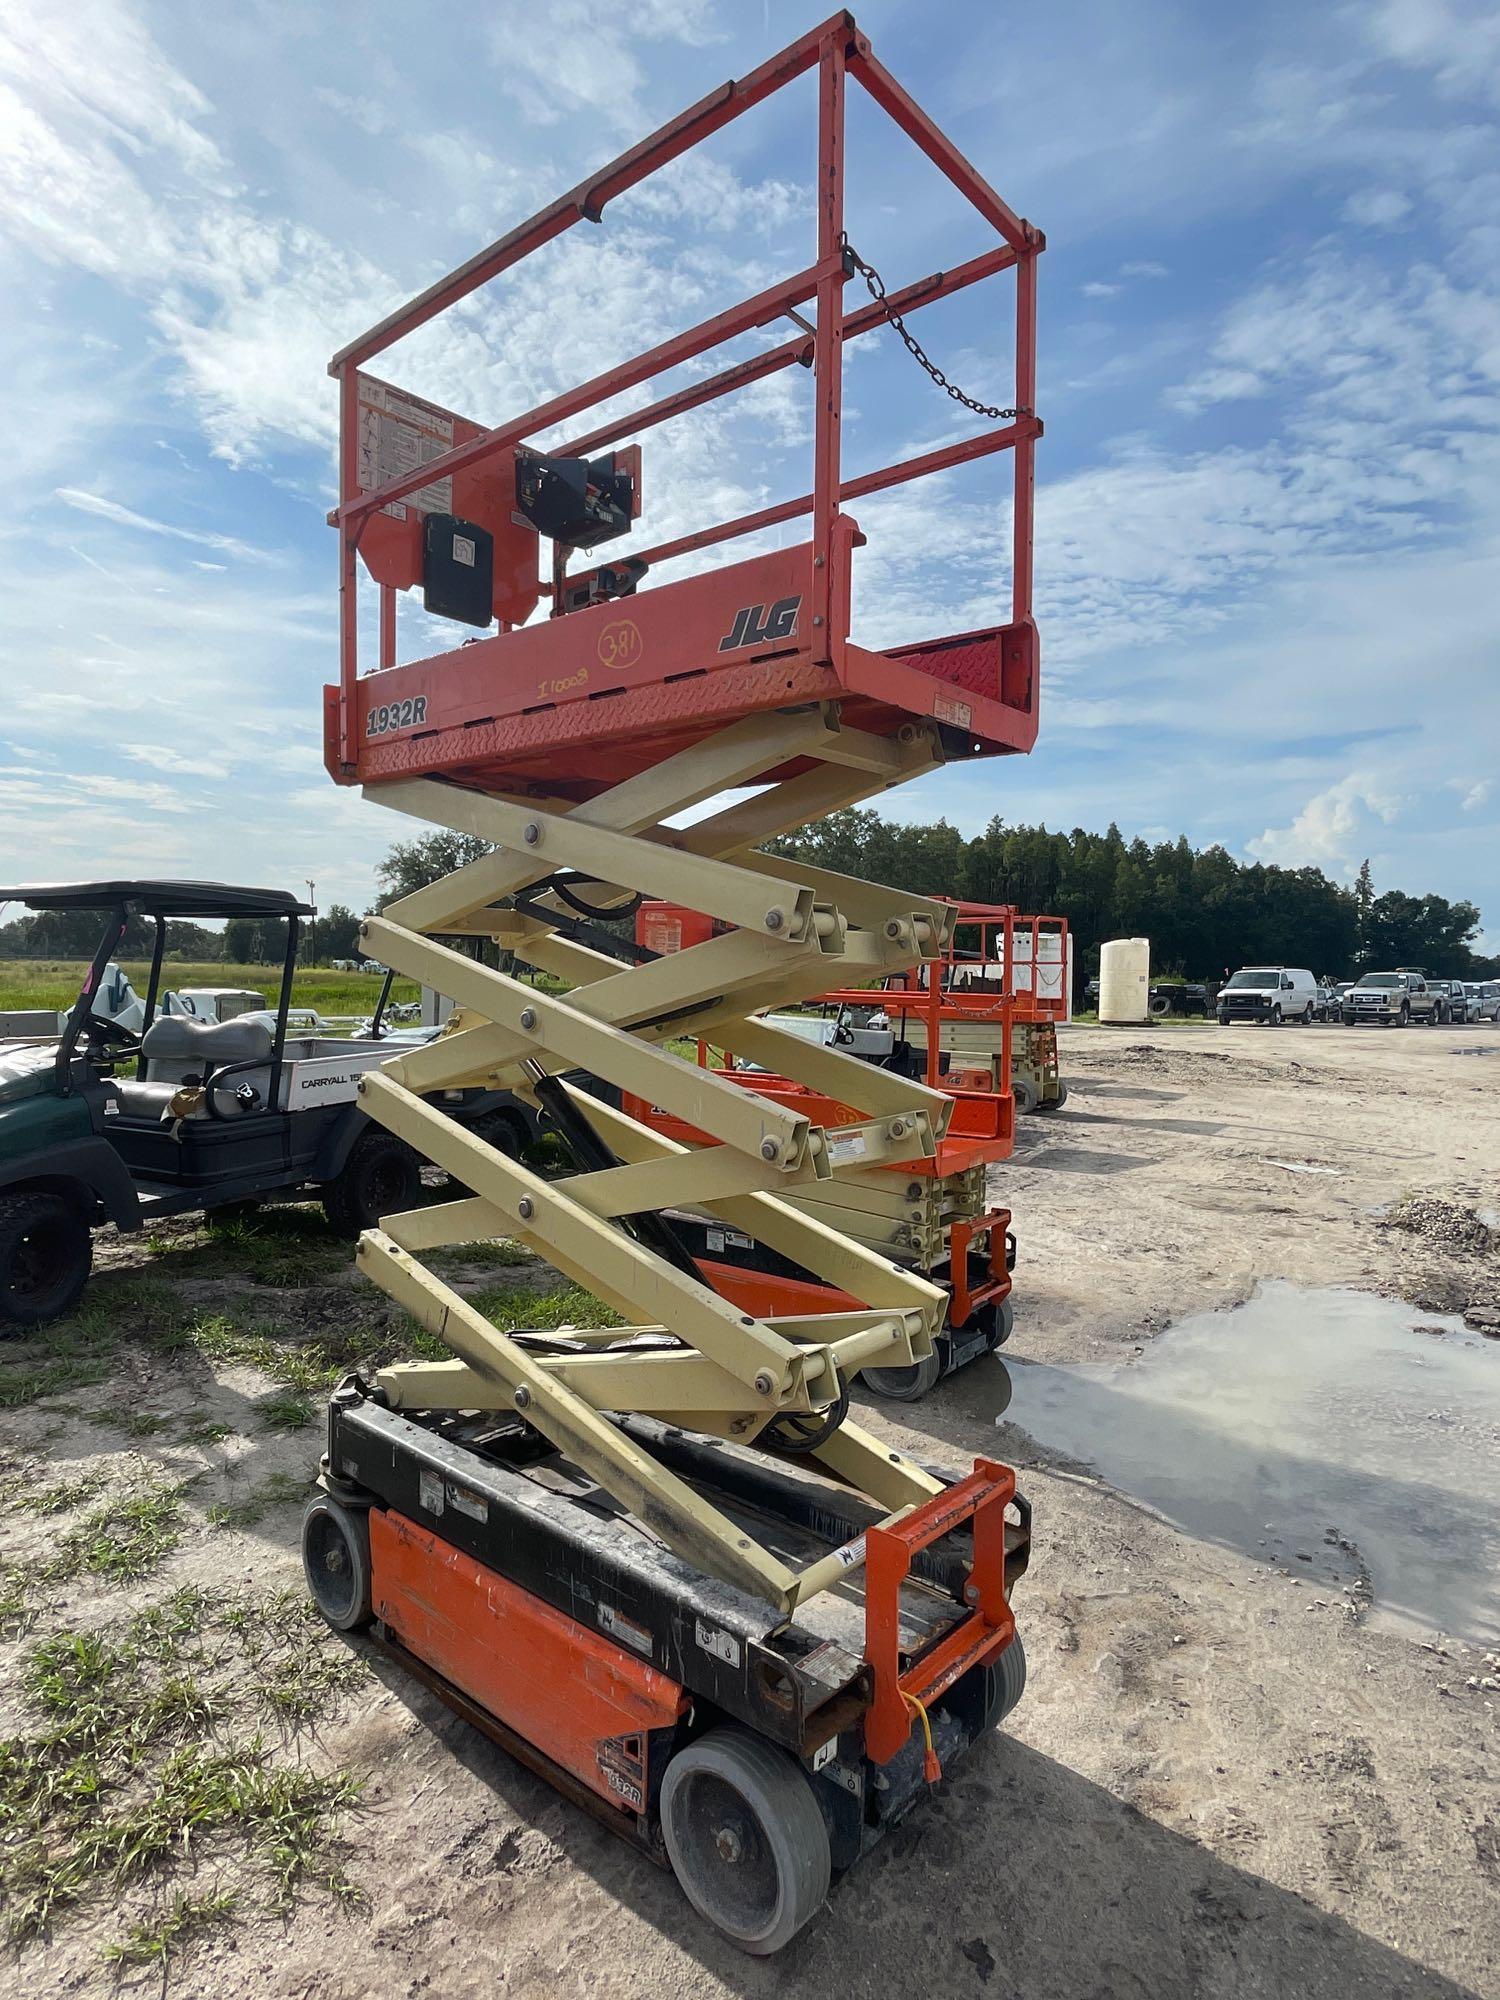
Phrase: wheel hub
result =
(729, 1844)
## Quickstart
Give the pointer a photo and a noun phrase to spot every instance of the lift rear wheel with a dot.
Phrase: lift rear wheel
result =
(336, 1561)
(1024, 1091)
(1007, 1683)
(906, 1385)
(747, 1841)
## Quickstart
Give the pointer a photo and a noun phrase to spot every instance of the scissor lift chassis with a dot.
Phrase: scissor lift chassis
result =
(667, 1576)
(495, 1566)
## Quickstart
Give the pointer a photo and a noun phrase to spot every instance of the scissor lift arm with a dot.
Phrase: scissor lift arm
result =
(570, 746)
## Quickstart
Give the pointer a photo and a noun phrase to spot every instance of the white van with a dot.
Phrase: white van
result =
(1269, 993)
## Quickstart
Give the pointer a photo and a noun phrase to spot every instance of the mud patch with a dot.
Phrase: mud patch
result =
(1447, 1223)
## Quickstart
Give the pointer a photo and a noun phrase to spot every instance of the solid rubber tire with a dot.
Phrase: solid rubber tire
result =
(1025, 1093)
(1007, 1679)
(905, 1385)
(336, 1561)
(780, 1799)
(1005, 1323)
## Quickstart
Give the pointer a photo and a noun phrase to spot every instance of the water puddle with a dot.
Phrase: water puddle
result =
(1347, 1439)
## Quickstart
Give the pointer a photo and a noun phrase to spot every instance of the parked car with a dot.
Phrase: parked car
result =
(1391, 999)
(1184, 997)
(1486, 1002)
(1330, 1000)
(1269, 993)
(1453, 1000)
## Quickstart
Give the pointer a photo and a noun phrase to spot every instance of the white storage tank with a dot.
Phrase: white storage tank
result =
(1125, 979)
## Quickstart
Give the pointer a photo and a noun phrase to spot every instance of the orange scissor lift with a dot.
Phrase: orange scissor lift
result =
(659, 1561)
(932, 1215)
(1001, 987)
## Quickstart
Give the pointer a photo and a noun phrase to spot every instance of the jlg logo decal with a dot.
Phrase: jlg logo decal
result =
(754, 625)
(620, 643)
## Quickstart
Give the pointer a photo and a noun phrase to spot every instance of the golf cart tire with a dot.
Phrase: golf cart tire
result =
(500, 1129)
(46, 1253)
(382, 1176)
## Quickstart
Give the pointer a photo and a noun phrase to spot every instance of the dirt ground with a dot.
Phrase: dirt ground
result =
(1214, 1786)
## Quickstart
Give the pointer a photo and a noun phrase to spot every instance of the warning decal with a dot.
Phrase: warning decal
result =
(397, 434)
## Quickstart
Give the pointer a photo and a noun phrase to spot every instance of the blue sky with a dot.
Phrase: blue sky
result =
(1268, 498)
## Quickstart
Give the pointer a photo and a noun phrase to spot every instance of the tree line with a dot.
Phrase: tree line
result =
(1203, 911)
(74, 934)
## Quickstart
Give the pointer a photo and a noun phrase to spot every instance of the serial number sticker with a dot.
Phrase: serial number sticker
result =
(958, 713)
(715, 1239)
(625, 1629)
(391, 715)
(430, 1491)
(723, 1645)
(846, 1146)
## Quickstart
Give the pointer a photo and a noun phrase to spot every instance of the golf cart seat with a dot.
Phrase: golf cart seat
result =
(176, 1048)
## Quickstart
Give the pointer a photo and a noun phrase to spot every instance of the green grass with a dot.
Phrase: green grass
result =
(207, 1430)
(280, 1490)
(461, 1256)
(136, 1757)
(508, 1306)
(122, 1541)
(286, 1411)
(54, 982)
(59, 1499)
(180, 1925)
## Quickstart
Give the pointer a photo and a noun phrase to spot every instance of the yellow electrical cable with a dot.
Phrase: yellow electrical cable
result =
(931, 1767)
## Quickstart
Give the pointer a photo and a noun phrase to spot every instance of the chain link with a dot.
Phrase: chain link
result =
(876, 284)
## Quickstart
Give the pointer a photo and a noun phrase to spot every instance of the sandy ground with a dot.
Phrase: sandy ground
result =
(1213, 1788)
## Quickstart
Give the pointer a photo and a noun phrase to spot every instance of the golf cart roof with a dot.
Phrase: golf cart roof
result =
(160, 899)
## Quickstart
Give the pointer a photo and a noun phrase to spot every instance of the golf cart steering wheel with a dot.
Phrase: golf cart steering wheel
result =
(96, 1029)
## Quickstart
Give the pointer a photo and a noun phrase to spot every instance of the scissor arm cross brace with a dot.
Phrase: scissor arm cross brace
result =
(686, 1354)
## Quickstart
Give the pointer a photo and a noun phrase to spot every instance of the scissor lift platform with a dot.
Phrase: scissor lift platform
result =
(572, 747)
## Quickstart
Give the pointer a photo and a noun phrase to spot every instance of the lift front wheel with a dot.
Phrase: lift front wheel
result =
(905, 1385)
(336, 1561)
(1004, 1325)
(1025, 1094)
(747, 1841)
(1007, 1683)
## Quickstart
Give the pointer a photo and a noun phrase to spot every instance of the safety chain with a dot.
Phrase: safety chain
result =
(854, 262)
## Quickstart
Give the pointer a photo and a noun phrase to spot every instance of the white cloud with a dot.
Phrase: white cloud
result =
(1377, 208)
(1146, 269)
(1459, 43)
(601, 74)
(1332, 830)
(85, 502)
(1095, 290)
